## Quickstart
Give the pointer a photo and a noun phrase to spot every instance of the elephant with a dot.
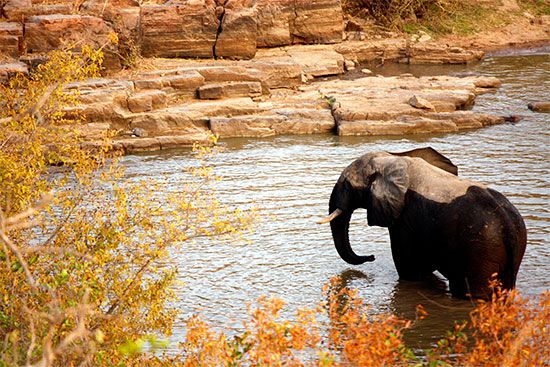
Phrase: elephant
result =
(436, 220)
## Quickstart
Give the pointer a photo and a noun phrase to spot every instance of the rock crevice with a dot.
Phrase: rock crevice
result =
(220, 13)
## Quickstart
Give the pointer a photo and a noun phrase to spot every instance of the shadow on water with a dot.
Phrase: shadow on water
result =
(443, 311)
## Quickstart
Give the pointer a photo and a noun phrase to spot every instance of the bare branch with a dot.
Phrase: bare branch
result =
(34, 110)
(13, 248)
(32, 344)
(15, 221)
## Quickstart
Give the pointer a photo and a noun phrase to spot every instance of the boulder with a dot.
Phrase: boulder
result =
(15, 9)
(487, 82)
(11, 38)
(418, 102)
(10, 69)
(147, 101)
(229, 73)
(539, 106)
(179, 30)
(230, 90)
(186, 83)
(151, 83)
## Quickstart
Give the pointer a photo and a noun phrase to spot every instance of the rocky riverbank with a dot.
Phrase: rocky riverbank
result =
(185, 101)
(236, 68)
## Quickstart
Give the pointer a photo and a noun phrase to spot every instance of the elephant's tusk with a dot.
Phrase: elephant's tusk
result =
(332, 215)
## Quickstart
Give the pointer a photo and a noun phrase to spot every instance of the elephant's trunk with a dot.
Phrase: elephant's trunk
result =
(340, 234)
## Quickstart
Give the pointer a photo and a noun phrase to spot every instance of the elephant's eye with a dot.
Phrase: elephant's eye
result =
(371, 178)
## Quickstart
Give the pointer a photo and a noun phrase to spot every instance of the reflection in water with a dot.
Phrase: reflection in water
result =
(289, 178)
(432, 294)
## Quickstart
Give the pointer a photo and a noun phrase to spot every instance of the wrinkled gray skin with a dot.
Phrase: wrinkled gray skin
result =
(436, 220)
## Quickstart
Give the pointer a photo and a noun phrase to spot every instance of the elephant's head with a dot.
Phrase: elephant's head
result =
(377, 182)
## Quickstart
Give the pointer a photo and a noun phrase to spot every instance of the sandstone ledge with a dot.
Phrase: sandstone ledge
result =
(186, 102)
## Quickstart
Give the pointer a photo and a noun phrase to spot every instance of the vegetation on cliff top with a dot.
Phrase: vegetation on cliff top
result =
(441, 17)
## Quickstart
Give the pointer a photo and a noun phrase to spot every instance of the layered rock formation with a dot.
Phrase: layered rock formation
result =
(222, 29)
(261, 76)
(187, 101)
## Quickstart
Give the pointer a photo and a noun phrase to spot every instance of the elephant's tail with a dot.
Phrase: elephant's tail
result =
(514, 237)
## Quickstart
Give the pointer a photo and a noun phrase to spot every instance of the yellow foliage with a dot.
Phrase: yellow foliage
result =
(508, 331)
(86, 274)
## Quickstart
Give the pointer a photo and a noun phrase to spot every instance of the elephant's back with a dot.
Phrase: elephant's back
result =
(437, 184)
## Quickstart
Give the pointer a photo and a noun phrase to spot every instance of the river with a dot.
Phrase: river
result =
(289, 179)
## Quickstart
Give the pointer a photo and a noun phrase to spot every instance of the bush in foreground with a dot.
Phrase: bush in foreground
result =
(86, 275)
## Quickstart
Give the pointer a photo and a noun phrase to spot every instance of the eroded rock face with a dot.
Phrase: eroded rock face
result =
(244, 99)
(147, 101)
(179, 30)
(405, 105)
(11, 38)
(314, 60)
(231, 89)
(236, 38)
(274, 22)
(401, 51)
(277, 122)
(49, 32)
(317, 21)
(433, 53)
(287, 22)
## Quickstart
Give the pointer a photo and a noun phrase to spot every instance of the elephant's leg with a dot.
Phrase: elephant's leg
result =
(474, 282)
(408, 256)
(458, 287)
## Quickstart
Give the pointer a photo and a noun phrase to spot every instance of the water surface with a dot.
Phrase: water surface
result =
(289, 178)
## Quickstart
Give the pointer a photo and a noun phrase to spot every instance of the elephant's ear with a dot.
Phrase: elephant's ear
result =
(433, 157)
(391, 181)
